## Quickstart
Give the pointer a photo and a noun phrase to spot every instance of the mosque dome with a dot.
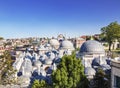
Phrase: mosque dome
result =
(48, 61)
(96, 62)
(41, 47)
(37, 63)
(54, 42)
(92, 47)
(66, 45)
(105, 67)
(60, 37)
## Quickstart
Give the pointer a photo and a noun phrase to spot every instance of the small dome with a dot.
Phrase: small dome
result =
(41, 47)
(54, 42)
(92, 47)
(48, 61)
(49, 71)
(37, 63)
(42, 72)
(96, 62)
(105, 67)
(60, 37)
(42, 58)
(67, 45)
(57, 60)
(89, 71)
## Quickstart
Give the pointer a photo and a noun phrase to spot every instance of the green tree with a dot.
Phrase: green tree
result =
(6, 68)
(70, 74)
(101, 80)
(8, 43)
(110, 33)
(30, 40)
(88, 38)
(40, 84)
(1, 38)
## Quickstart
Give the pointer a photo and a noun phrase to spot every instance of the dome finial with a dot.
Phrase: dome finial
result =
(91, 37)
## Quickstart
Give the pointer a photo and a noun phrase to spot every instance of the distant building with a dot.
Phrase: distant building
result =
(115, 45)
(2, 48)
(78, 42)
(84, 37)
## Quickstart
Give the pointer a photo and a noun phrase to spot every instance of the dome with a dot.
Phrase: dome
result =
(89, 71)
(41, 47)
(92, 47)
(60, 37)
(105, 67)
(48, 61)
(96, 62)
(54, 42)
(67, 45)
(37, 63)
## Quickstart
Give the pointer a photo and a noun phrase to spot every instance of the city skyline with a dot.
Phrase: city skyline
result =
(47, 18)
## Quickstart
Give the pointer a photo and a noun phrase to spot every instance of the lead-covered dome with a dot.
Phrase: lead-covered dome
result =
(54, 42)
(37, 63)
(66, 45)
(48, 61)
(92, 47)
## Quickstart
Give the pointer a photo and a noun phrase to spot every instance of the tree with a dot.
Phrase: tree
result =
(69, 74)
(110, 33)
(6, 68)
(88, 38)
(8, 43)
(40, 84)
(1, 38)
(101, 80)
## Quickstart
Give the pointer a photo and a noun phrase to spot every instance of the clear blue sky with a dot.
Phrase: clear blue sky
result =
(39, 18)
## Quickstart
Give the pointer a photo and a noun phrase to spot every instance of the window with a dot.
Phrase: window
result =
(117, 82)
(118, 45)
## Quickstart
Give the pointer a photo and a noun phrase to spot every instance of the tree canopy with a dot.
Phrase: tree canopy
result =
(6, 68)
(101, 80)
(111, 33)
(40, 84)
(1, 38)
(70, 74)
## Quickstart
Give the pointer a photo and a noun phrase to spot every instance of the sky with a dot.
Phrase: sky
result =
(47, 18)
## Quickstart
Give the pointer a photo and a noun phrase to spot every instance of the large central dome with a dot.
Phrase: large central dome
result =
(92, 47)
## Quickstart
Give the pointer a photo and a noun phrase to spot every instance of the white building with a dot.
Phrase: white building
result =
(115, 73)
(93, 56)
